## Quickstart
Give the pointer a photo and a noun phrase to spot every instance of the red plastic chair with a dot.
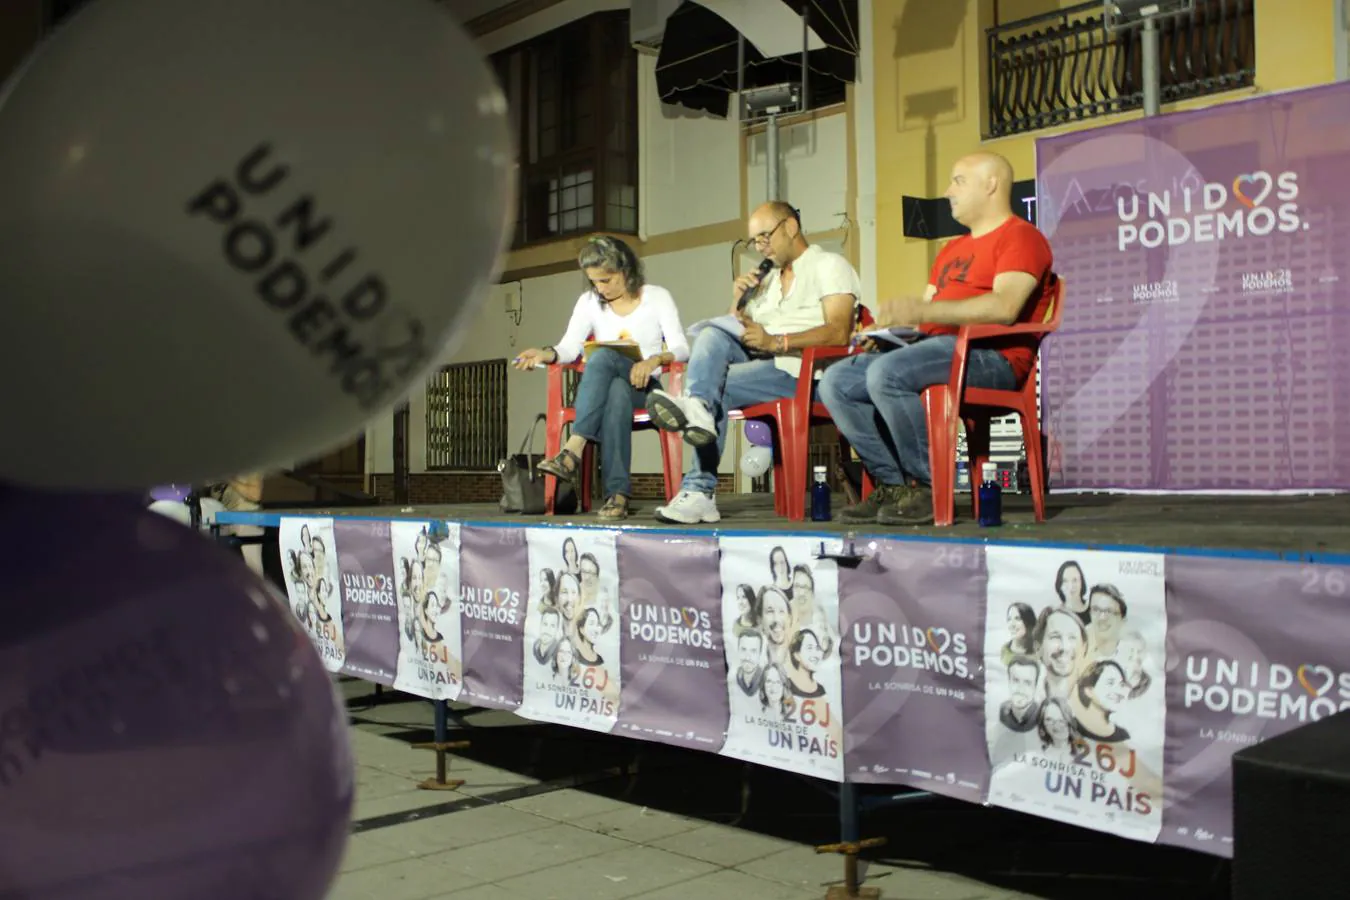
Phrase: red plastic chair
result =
(791, 419)
(977, 407)
(672, 443)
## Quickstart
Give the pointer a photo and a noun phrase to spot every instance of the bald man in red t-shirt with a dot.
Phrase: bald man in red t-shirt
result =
(995, 275)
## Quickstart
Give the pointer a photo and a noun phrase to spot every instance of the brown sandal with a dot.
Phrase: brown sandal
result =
(564, 466)
(615, 508)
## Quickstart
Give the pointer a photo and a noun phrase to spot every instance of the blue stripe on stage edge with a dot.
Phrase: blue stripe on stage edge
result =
(267, 519)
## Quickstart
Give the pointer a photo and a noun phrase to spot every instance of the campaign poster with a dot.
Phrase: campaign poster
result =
(572, 664)
(1075, 704)
(425, 557)
(309, 559)
(780, 625)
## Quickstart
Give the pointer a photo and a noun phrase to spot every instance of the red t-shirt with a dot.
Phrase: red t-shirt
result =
(966, 267)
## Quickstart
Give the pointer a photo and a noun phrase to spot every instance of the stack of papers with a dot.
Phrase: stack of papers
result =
(730, 324)
(627, 348)
(897, 336)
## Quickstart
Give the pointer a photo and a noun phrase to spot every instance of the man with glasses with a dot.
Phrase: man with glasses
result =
(1106, 613)
(806, 300)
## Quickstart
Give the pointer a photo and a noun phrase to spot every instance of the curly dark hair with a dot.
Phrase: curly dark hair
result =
(612, 255)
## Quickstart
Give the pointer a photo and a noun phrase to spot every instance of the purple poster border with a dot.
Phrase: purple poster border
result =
(1273, 648)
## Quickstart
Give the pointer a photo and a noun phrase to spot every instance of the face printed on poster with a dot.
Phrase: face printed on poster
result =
(1074, 701)
(572, 628)
(310, 562)
(780, 615)
(426, 572)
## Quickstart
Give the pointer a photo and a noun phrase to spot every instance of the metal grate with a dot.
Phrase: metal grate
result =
(1064, 66)
(466, 417)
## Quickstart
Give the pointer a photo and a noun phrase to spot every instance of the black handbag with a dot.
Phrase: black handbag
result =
(523, 483)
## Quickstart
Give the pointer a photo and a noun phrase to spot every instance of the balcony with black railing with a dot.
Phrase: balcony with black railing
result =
(1065, 66)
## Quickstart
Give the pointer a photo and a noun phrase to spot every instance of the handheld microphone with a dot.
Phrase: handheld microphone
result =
(763, 270)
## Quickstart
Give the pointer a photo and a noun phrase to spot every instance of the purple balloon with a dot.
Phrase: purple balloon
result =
(177, 492)
(166, 728)
(759, 433)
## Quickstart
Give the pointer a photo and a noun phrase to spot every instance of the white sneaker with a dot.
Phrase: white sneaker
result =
(689, 508)
(684, 414)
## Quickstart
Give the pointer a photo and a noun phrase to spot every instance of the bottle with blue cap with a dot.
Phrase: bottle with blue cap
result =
(991, 497)
(820, 496)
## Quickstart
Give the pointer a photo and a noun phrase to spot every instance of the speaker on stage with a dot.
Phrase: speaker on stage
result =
(1291, 813)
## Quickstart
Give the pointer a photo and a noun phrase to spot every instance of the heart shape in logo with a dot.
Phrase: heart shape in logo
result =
(939, 639)
(500, 596)
(690, 616)
(1264, 182)
(1309, 675)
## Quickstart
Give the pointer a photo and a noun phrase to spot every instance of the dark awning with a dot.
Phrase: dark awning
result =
(696, 67)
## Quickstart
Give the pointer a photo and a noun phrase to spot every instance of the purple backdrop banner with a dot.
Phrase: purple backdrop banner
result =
(369, 608)
(1252, 653)
(674, 673)
(913, 645)
(494, 572)
(1202, 255)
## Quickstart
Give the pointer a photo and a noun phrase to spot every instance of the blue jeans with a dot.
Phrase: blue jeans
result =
(605, 404)
(868, 387)
(722, 375)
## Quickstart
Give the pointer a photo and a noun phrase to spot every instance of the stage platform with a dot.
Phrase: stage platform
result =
(1211, 623)
(1306, 527)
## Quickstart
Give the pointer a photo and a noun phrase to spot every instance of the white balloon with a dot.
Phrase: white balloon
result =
(172, 509)
(180, 512)
(210, 506)
(756, 461)
(319, 190)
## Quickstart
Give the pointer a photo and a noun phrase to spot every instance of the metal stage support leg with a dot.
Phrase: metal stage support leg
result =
(536, 760)
(441, 746)
(850, 846)
(632, 771)
(402, 488)
(746, 772)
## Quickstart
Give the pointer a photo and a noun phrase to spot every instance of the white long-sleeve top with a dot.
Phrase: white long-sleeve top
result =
(655, 320)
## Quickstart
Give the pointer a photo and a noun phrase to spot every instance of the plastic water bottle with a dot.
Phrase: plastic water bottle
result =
(991, 497)
(820, 497)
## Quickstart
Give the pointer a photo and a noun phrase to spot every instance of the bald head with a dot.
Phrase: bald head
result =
(993, 167)
(775, 232)
(777, 209)
(981, 190)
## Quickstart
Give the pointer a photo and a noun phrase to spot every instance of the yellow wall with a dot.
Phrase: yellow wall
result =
(930, 62)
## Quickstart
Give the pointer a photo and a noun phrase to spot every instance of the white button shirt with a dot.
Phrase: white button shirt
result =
(817, 274)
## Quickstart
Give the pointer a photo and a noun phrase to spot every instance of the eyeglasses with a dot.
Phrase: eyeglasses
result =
(762, 239)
